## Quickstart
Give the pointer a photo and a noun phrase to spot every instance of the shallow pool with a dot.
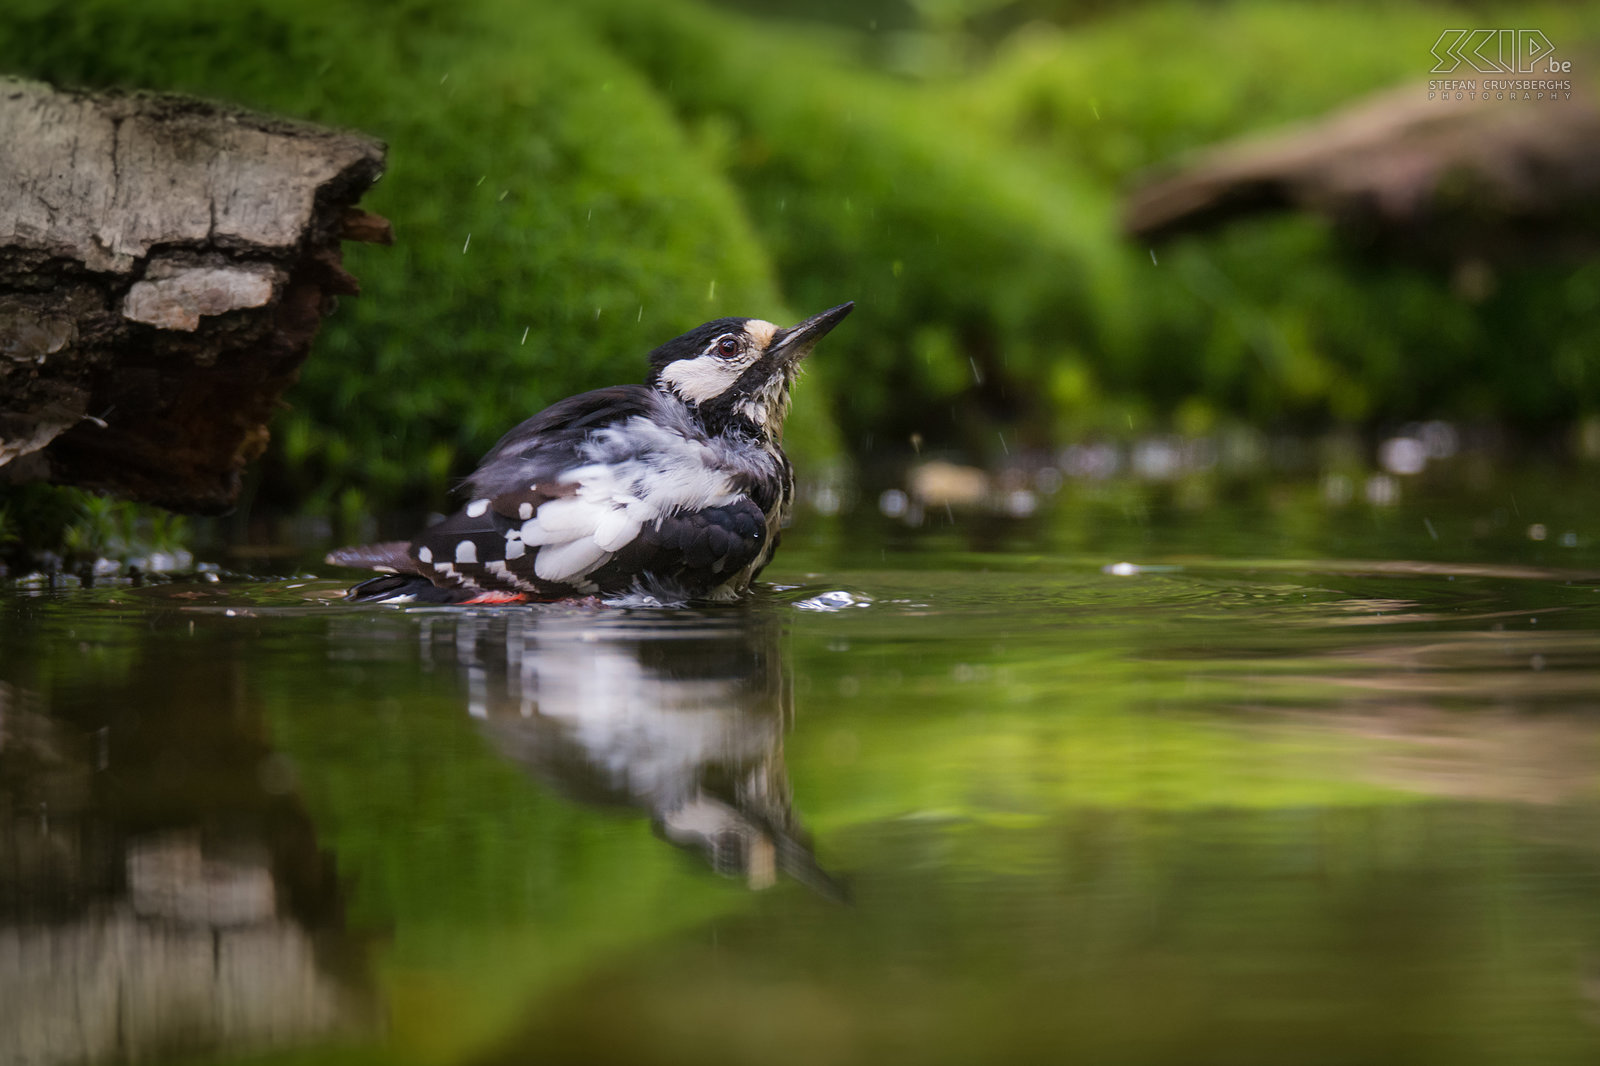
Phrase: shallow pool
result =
(971, 793)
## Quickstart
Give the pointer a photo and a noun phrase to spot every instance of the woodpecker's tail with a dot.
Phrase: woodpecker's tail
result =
(402, 583)
(391, 555)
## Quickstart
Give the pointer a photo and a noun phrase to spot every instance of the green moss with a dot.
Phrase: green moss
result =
(878, 190)
(553, 221)
(570, 186)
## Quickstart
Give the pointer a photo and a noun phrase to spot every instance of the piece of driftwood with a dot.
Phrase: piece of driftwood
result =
(164, 265)
(1469, 180)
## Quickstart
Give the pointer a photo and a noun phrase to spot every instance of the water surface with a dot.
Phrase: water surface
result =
(1323, 793)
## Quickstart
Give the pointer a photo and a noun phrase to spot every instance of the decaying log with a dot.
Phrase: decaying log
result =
(1445, 180)
(164, 265)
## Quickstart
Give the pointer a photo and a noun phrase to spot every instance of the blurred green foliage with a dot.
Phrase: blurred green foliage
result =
(57, 528)
(553, 220)
(572, 184)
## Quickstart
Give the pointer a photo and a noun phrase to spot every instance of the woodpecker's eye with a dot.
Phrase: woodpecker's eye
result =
(728, 346)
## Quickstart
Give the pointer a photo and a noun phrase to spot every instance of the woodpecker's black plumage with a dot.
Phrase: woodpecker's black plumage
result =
(673, 490)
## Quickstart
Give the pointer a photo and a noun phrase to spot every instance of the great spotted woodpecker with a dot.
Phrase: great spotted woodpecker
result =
(670, 491)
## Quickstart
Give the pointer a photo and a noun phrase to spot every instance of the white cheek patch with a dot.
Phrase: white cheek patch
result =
(702, 378)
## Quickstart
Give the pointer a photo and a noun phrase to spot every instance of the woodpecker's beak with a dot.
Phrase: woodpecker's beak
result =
(796, 342)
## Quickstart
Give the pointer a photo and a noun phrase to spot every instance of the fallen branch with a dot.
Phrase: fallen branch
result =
(1437, 179)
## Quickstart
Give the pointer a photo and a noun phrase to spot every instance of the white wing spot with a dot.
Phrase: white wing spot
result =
(476, 508)
(515, 549)
(425, 554)
(525, 511)
(466, 552)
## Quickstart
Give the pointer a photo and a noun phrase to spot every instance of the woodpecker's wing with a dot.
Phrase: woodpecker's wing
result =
(590, 495)
(550, 442)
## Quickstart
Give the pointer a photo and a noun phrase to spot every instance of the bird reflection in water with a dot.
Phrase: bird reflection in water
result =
(680, 714)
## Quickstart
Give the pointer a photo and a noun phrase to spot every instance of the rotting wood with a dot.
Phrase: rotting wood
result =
(164, 265)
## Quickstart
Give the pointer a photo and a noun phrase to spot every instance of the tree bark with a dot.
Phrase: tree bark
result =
(164, 266)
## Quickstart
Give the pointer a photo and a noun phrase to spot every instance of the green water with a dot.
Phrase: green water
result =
(1304, 784)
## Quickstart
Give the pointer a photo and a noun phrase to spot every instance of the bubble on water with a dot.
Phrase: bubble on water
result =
(1537, 531)
(1121, 569)
(893, 503)
(826, 500)
(1382, 490)
(1440, 439)
(837, 600)
(1094, 461)
(1157, 459)
(1403, 455)
(1021, 503)
(1569, 539)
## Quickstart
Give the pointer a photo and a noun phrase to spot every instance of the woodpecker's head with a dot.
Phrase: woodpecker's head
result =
(739, 370)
